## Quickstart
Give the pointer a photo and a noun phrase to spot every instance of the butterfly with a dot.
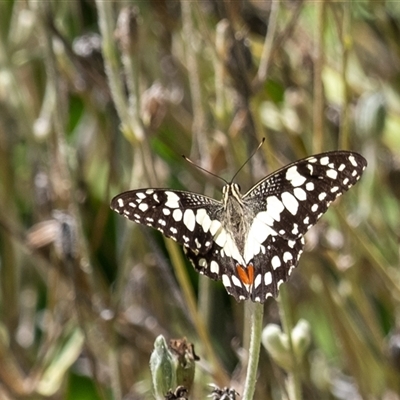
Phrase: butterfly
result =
(251, 242)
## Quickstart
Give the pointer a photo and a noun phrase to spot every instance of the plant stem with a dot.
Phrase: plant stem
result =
(257, 311)
(318, 109)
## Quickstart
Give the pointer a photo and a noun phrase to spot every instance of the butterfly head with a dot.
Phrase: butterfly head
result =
(231, 192)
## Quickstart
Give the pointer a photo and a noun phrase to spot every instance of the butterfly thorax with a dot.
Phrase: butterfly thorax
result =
(236, 216)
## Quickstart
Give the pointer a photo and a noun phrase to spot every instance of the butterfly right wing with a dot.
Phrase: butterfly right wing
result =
(292, 199)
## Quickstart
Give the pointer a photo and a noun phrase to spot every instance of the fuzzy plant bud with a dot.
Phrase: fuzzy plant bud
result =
(370, 115)
(277, 345)
(162, 368)
(301, 338)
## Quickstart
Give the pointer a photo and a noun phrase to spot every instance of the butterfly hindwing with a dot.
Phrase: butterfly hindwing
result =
(218, 267)
(274, 269)
(264, 274)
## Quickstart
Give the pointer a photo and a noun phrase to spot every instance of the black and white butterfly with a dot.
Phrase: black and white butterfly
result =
(251, 242)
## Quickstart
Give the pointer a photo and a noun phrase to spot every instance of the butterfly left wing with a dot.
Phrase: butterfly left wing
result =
(190, 219)
(186, 217)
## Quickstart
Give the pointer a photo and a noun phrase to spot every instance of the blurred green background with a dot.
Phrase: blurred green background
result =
(98, 97)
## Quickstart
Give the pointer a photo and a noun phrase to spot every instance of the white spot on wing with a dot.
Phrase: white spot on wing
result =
(300, 194)
(203, 219)
(172, 200)
(177, 215)
(331, 173)
(268, 278)
(143, 207)
(189, 219)
(236, 281)
(257, 281)
(287, 256)
(294, 177)
(310, 186)
(275, 262)
(257, 235)
(274, 207)
(120, 202)
(226, 281)
(324, 160)
(290, 202)
(260, 231)
(266, 218)
(221, 238)
(214, 267)
(215, 225)
(353, 160)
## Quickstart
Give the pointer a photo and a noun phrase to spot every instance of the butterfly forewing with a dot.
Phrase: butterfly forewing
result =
(179, 215)
(292, 199)
(251, 243)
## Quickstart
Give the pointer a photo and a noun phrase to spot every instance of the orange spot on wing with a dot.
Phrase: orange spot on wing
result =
(246, 274)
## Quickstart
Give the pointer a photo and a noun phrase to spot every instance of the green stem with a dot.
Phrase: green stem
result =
(257, 311)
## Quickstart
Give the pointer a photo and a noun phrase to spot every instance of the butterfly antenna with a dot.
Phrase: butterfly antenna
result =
(203, 169)
(251, 156)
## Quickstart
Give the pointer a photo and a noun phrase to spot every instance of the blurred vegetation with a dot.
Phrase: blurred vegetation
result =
(98, 97)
